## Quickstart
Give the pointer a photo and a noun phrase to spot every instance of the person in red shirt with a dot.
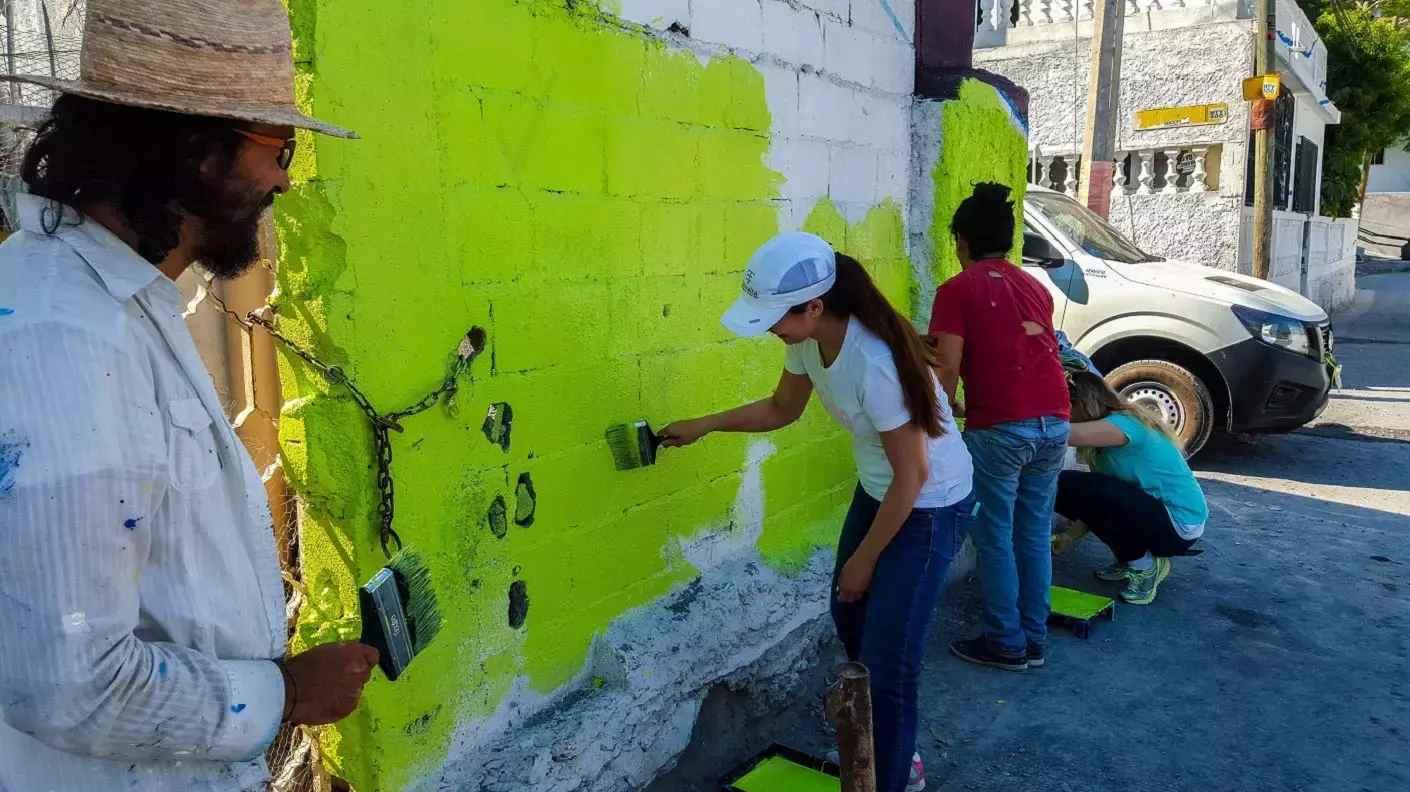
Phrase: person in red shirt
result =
(993, 329)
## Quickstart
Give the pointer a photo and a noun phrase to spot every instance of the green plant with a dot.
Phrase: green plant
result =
(1368, 77)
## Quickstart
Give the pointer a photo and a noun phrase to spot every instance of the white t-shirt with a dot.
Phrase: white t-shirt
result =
(862, 392)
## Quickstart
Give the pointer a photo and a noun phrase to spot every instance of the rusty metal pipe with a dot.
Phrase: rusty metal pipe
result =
(849, 706)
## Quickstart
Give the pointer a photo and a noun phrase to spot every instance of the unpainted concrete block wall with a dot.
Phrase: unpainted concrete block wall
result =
(1203, 64)
(586, 185)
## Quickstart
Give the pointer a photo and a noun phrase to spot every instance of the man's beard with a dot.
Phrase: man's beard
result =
(230, 231)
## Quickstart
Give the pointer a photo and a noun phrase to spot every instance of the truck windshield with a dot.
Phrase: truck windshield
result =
(1086, 229)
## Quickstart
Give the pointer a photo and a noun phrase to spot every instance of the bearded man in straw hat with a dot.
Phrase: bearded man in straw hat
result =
(141, 605)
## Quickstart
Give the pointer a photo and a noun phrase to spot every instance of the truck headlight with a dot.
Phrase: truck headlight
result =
(1280, 331)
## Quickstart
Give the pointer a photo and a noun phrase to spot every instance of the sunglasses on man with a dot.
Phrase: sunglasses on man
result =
(286, 146)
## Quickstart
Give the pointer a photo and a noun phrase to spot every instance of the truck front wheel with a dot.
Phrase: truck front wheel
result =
(1173, 391)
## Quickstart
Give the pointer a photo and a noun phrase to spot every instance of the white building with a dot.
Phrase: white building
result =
(1385, 215)
(1188, 57)
(1390, 171)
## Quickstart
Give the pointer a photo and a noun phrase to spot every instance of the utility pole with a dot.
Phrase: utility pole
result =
(1263, 122)
(1103, 104)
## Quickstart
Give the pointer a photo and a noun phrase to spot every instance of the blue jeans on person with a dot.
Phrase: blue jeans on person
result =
(1016, 467)
(886, 630)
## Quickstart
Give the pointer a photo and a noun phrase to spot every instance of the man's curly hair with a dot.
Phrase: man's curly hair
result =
(148, 164)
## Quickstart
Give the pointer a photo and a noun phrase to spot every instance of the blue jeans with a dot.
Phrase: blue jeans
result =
(1016, 468)
(886, 629)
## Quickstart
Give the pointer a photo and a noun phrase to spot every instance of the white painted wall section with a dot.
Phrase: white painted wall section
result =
(838, 77)
(1393, 176)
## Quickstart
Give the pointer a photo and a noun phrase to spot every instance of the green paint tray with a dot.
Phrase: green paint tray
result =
(1079, 609)
(782, 769)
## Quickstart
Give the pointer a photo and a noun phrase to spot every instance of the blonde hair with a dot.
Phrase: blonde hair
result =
(1093, 399)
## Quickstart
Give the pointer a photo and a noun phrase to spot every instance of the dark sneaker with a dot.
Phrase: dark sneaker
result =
(976, 651)
(1035, 654)
(1112, 573)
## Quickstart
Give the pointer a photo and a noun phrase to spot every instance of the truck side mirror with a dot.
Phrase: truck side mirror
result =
(1038, 250)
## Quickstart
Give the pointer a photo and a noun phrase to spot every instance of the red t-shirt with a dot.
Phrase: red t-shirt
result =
(1009, 374)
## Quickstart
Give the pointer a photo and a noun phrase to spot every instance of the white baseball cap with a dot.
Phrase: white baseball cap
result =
(788, 270)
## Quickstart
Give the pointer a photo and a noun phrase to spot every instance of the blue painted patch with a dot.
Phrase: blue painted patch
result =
(10, 452)
(238, 708)
(161, 668)
(131, 523)
(7, 311)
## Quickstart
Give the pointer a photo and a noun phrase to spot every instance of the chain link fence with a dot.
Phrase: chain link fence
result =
(40, 37)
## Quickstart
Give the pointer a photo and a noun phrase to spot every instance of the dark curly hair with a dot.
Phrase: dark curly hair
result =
(986, 220)
(150, 165)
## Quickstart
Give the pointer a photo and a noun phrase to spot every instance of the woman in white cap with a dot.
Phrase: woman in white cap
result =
(872, 373)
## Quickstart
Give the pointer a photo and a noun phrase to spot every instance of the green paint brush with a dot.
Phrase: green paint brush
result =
(633, 445)
(400, 613)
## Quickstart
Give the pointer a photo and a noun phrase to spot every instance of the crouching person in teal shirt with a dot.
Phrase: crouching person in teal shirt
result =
(1140, 497)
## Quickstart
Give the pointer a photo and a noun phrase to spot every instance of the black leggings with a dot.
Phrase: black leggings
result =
(1121, 514)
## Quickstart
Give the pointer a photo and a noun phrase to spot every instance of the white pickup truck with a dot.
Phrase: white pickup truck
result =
(1209, 348)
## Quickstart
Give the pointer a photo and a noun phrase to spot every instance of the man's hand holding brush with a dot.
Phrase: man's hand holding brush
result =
(324, 684)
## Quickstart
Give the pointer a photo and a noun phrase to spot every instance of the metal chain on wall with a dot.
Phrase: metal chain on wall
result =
(382, 425)
(296, 756)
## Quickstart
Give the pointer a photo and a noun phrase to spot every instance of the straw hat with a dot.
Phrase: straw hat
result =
(198, 57)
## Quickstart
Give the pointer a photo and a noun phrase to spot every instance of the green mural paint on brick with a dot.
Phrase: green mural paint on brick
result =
(981, 143)
(590, 198)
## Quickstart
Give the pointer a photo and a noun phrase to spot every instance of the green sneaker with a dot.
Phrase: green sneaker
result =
(1112, 573)
(1142, 583)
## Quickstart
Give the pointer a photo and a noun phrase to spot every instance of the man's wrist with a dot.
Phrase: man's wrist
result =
(291, 691)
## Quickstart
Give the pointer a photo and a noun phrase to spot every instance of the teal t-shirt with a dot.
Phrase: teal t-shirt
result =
(1153, 463)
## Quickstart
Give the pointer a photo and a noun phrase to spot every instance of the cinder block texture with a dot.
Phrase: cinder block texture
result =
(586, 186)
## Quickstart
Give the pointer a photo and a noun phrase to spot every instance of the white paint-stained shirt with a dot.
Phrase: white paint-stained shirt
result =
(140, 594)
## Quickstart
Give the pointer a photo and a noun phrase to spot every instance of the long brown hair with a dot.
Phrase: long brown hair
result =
(1093, 399)
(855, 295)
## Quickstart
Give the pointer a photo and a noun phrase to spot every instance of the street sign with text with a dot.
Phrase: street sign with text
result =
(1195, 115)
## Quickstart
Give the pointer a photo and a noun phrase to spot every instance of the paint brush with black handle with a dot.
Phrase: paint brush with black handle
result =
(633, 445)
(400, 613)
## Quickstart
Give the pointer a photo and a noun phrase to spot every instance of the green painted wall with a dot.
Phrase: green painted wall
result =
(982, 140)
(589, 197)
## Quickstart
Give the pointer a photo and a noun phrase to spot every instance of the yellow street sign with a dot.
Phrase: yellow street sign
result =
(1263, 87)
(1196, 115)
